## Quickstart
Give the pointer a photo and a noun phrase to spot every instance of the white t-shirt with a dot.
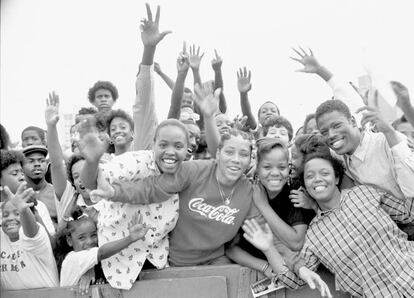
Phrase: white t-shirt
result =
(45, 216)
(76, 264)
(27, 263)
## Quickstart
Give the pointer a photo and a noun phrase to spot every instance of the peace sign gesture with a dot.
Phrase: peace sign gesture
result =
(150, 34)
(216, 62)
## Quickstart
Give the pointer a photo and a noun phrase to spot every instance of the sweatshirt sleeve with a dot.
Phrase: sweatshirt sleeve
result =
(144, 114)
(77, 264)
(155, 189)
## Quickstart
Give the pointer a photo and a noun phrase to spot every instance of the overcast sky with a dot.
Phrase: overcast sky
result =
(67, 46)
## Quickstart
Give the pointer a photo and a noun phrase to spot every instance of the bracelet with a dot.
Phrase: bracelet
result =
(265, 266)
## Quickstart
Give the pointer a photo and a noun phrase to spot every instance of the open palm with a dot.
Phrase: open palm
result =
(308, 60)
(52, 109)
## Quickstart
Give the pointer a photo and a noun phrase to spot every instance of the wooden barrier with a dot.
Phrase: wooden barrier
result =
(229, 281)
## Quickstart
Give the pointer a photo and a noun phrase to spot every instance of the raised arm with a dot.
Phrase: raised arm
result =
(403, 101)
(19, 200)
(195, 60)
(144, 114)
(92, 148)
(176, 97)
(164, 77)
(341, 89)
(218, 80)
(207, 101)
(58, 168)
(292, 236)
(244, 86)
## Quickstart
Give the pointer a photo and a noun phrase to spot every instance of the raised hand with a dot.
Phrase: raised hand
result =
(21, 197)
(150, 34)
(52, 109)
(137, 230)
(243, 80)
(216, 62)
(240, 122)
(314, 280)
(157, 68)
(206, 100)
(403, 97)
(374, 116)
(195, 58)
(253, 233)
(91, 146)
(308, 60)
(183, 62)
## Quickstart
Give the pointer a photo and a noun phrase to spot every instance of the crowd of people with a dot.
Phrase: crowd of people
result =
(200, 188)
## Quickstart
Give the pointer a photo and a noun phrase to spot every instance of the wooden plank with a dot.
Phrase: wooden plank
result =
(232, 273)
(200, 287)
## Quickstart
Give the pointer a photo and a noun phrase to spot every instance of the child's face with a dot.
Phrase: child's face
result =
(273, 170)
(10, 222)
(120, 132)
(267, 111)
(76, 174)
(103, 100)
(31, 137)
(84, 236)
(34, 166)
(12, 176)
(280, 133)
(170, 148)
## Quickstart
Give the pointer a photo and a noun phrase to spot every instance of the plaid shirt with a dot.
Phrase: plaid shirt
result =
(360, 243)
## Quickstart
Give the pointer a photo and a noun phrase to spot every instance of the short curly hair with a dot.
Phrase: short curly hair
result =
(71, 161)
(10, 157)
(119, 114)
(278, 121)
(330, 106)
(102, 85)
(336, 164)
(40, 132)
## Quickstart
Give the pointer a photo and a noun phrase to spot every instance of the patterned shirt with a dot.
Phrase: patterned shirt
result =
(122, 269)
(360, 243)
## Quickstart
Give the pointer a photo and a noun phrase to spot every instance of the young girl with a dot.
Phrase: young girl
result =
(126, 165)
(27, 260)
(272, 197)
(78, 242)
(353, 235)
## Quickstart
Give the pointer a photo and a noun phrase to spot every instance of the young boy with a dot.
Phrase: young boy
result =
(103, 95)
(278, 127)
(382, 159)
(33, 135)
(27, 260)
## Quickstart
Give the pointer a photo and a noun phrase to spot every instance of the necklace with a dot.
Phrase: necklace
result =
(226, 200)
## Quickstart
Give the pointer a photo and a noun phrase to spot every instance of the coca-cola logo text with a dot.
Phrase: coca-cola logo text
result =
(222, 213)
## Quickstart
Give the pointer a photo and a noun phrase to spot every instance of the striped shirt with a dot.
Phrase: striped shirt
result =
(360, 243)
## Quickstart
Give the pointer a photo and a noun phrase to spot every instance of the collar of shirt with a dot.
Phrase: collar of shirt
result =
(362, 149)
(321, 213)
